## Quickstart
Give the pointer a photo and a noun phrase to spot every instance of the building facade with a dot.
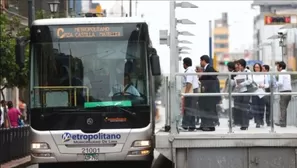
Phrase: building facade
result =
(291, 50)
(221, 40)
(97, 8)
(41, 5)
(262, 32)
(75, 7)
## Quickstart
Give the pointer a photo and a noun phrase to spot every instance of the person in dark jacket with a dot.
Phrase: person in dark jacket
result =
(207, 105)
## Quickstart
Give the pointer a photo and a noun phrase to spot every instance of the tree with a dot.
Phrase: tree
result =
(42, 14)
(11, 75)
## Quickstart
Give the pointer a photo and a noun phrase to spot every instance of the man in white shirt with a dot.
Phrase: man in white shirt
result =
(284, 85)
(190, 85)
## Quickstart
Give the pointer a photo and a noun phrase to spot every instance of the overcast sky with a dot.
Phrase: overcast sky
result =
(157, 15)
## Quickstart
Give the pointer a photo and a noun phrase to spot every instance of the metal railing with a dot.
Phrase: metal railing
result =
(14, 143)
(291, 111)
(174, 94)
(48, 89)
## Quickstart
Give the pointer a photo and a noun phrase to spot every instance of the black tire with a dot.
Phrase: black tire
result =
(140, 164)
(59, 165)
(45, 165)
(128, 164)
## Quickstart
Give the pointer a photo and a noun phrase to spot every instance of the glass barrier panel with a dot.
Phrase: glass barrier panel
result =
(249, 113)
(285, 119)
(204, 109)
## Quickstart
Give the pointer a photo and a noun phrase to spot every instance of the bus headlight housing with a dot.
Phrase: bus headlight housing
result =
(39, 145)
(143, 143)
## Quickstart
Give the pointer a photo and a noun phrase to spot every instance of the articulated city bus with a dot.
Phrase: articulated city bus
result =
(91, 90)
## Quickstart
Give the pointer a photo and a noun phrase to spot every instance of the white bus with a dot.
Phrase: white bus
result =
(91, 90)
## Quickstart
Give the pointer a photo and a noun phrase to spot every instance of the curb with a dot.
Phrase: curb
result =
(162, 162)
(17, 163)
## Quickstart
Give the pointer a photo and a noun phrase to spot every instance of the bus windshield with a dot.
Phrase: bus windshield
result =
(75, 67)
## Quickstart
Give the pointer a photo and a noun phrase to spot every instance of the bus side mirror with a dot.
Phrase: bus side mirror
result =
(20, 48)
(155, 65)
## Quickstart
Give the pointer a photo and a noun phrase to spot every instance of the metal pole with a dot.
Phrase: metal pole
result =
(122, 10)
(130, 8)
(67, 8)
(271, 103)
(31, 12)
(136, 4)
(167, 102)
(230, 103)
(173, 58)
(271, 86)
(210, 42)
(74, 8)
(283, 55)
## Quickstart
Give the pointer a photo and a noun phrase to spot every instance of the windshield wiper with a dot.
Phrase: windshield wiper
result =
(57, 111)
(119, 108)
(127, 111)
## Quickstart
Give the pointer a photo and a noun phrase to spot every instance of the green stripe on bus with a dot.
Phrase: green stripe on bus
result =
(108, 103)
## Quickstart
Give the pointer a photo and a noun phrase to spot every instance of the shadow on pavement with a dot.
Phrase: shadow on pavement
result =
(162, 162)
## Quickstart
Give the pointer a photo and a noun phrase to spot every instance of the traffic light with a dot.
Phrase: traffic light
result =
(277, 20)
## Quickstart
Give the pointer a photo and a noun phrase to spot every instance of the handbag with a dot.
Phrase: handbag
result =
(251, 87)
(225, 103)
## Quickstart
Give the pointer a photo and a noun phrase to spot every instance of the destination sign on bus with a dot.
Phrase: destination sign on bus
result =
(88, 32)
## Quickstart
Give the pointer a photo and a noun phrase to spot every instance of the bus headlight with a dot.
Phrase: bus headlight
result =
(139, 153)
(144, 143)
(39, 145)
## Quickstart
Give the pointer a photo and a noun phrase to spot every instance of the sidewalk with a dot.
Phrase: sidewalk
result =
(16, 163)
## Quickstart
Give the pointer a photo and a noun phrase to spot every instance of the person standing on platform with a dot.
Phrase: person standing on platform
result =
(284, 85)
(208, 104)
(241, 103)
(190, 85)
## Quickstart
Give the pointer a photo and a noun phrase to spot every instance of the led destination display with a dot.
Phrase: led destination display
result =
(88, 32)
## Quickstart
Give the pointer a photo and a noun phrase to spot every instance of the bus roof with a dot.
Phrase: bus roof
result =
(88, 20)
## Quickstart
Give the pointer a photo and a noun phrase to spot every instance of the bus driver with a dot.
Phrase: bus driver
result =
(126, 89)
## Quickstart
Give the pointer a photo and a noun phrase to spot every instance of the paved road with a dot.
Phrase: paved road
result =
(159, 125)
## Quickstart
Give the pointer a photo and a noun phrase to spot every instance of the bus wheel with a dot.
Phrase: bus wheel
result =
(141, 164)
(45, 165)
(53, 165)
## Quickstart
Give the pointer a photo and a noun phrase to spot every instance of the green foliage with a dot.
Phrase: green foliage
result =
(42, 14)
(10, 74)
